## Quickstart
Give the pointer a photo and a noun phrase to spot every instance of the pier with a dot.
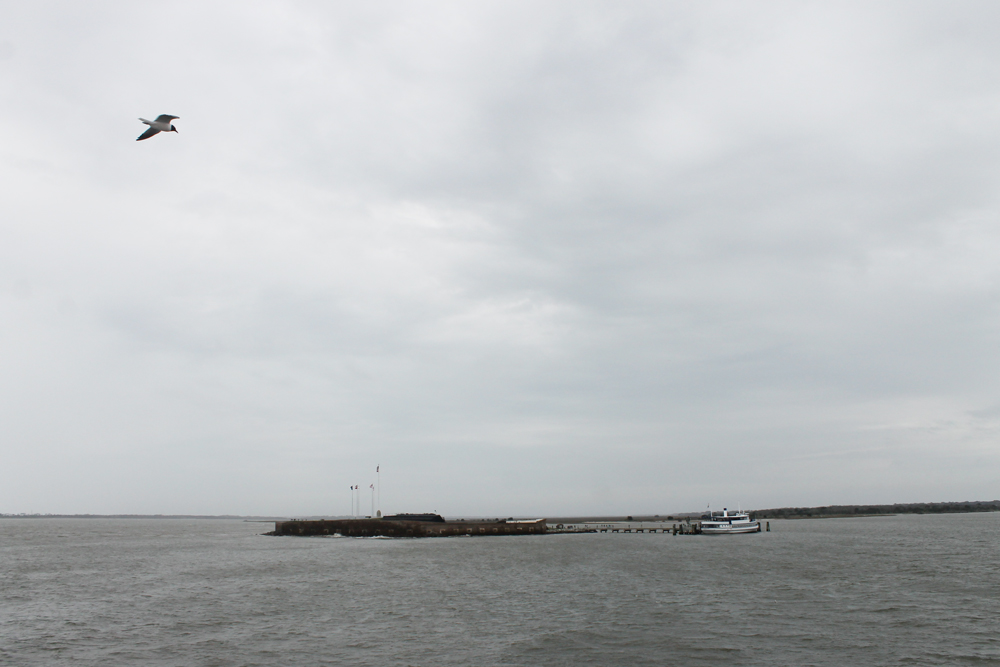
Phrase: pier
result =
(662, 527)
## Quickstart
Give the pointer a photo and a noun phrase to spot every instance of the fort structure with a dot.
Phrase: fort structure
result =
(408, 525)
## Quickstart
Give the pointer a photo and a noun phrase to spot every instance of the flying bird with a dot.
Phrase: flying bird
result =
(161, 124)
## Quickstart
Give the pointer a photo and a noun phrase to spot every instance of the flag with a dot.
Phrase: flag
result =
(371, 486)
(376, 468)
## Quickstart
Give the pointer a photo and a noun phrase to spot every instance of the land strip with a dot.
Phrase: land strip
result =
(833, 511)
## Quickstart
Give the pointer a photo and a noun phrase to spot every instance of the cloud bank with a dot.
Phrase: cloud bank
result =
(530, 259)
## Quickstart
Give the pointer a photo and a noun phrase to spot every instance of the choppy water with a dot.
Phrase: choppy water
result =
(910, 590)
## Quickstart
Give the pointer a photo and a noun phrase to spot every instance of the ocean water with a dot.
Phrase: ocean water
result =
(907, 590)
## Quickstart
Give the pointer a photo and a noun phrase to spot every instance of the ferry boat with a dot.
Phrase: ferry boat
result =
(727, 523)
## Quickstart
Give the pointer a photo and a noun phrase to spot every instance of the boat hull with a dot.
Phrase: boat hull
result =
(730, 529)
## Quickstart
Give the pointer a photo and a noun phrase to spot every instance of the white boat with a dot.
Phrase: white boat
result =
(728, 523)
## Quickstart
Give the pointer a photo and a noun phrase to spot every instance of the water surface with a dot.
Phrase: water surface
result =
(907, 590)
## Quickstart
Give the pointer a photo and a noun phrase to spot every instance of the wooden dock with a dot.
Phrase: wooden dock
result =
(662, 527)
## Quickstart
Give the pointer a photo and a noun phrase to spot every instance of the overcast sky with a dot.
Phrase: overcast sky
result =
(531, 258)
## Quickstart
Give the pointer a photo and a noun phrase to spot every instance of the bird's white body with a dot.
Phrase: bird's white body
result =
(162, 127)
(161, 124)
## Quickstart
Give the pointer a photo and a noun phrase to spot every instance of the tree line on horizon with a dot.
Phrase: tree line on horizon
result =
(875, 510)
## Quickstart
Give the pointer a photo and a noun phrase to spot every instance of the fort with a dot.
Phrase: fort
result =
(408, 525)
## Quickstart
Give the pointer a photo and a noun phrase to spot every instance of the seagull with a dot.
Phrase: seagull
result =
(161, 124)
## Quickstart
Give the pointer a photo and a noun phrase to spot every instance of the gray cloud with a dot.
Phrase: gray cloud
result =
(530, 259)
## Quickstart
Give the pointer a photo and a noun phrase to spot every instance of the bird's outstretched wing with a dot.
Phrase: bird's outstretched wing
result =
(165, 118)
(148, 133)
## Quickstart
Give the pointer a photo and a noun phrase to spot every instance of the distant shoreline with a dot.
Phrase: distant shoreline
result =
(852, 511)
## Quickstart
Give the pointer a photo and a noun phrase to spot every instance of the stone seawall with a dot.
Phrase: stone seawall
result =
(385, 528)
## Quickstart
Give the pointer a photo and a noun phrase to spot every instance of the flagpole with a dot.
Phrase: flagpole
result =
(373, 501)
(378, 481)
